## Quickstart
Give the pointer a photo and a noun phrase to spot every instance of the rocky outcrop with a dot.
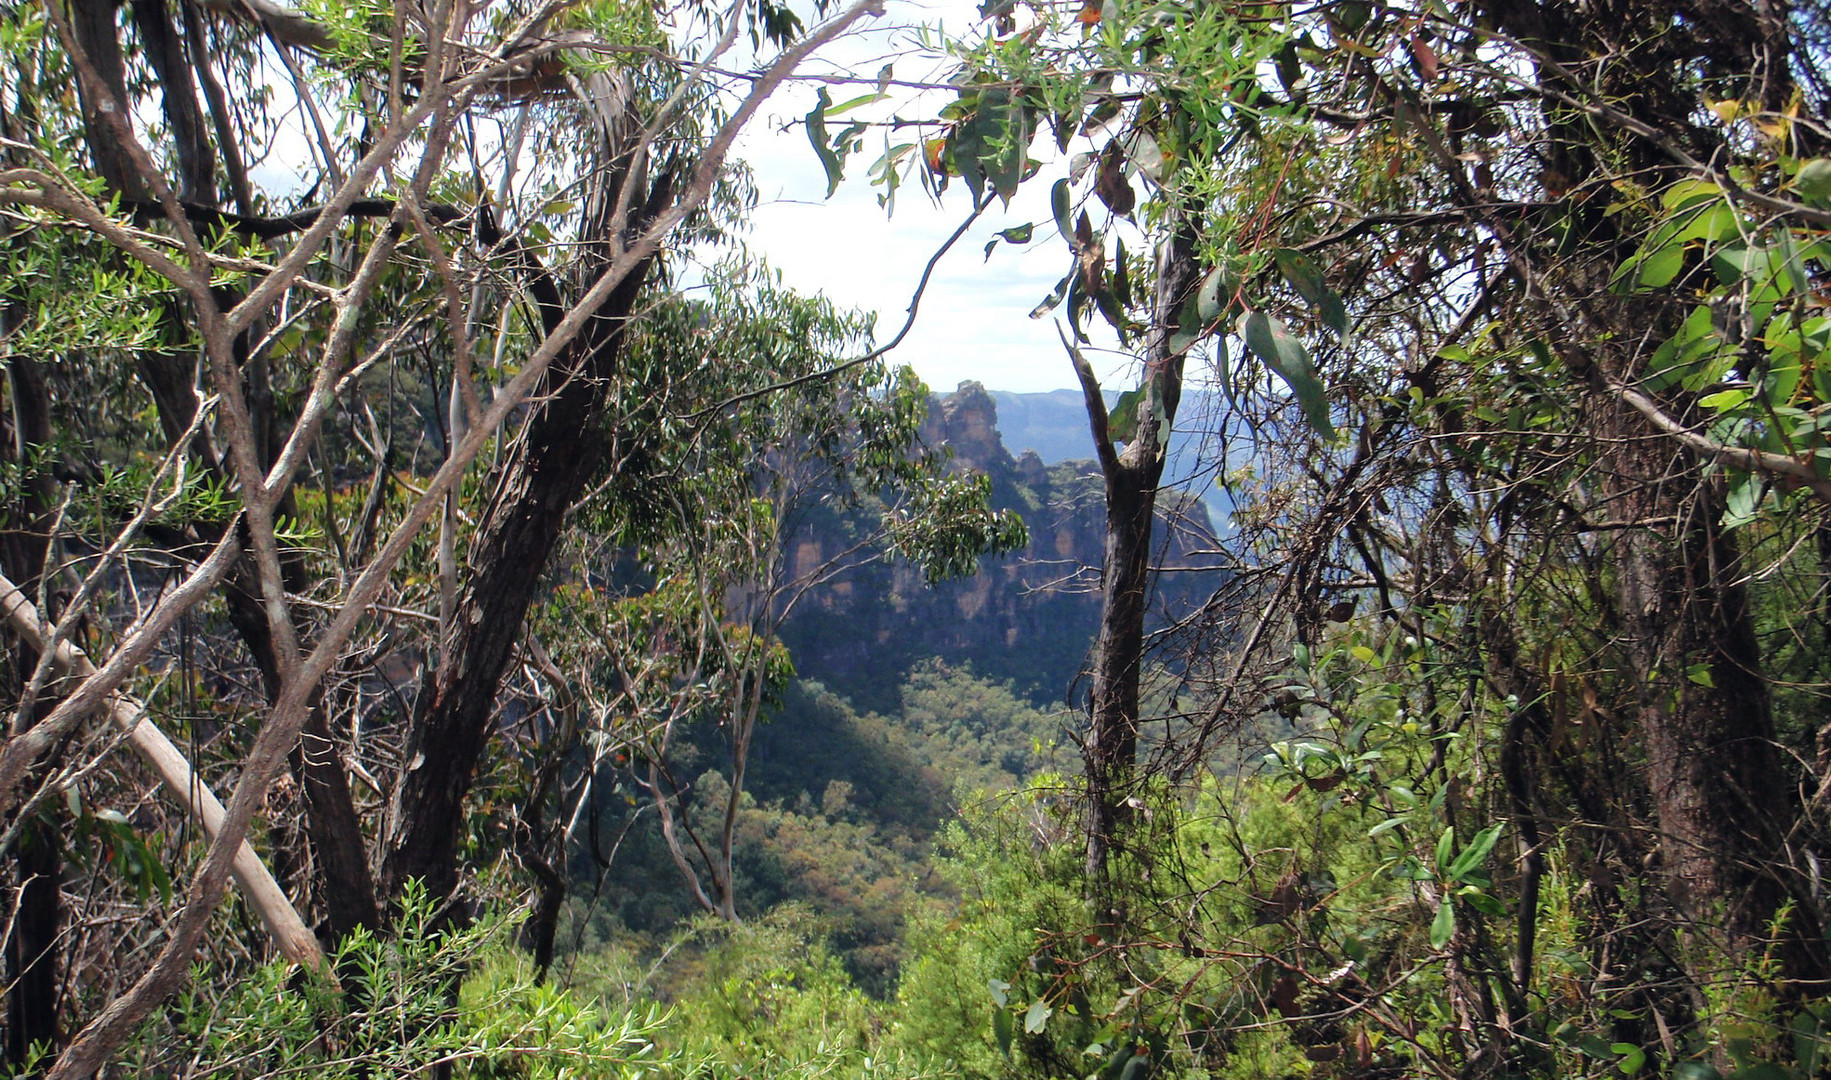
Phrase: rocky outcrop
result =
(1028, 617)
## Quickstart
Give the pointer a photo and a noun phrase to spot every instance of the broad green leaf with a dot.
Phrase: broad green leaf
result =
(1732, 263)
(1632, 1058)
(1302, 272)
(1650, 269)
(1689, 193)
(1001, 991)
(1190, 328)
(1476, 853)
(1001, 1031)
(989, 143)
(1122, 420)
(1354, 948)
(1809, 1043)
(1138, 1067)
(1215, 292)
(1813, 182)
(1274, 345)
(1036, 1017)
(1724, 400)
(1443, 927)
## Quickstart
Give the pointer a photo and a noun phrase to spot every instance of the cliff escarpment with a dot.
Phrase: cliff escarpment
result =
(1027, 618)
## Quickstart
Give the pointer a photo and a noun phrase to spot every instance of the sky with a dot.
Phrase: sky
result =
(973, 320)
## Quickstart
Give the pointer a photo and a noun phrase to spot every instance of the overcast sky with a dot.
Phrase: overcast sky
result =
(973, 320)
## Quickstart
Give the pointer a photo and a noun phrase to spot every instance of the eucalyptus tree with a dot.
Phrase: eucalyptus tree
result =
(223, 381)
(1541, 280)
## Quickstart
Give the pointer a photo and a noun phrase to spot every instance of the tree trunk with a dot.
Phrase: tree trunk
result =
(555, 455)
(33, 929)
(1131, 479)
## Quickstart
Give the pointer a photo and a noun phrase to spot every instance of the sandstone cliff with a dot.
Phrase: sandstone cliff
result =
(1028, 617)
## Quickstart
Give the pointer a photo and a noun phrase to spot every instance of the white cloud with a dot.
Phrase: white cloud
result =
(973, 319)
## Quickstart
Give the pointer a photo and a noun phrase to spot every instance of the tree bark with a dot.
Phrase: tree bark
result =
(1717, 782)
(555, 455)
(1131, 478)
(35, 923)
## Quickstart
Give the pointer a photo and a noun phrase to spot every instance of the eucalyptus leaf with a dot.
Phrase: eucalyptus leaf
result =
(1060, 204)
(1036, 1017)
(1054, 299)
(1122, 418)
(1272, 342)
(817, 135)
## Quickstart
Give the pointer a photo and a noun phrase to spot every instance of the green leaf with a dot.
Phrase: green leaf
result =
(1138, 1067)
(1476, 853)
(1808, 1043)
(1446, 851)
(1122, 277)
(1060, 205)
(1650, 269)
(1016, 234)
(1739, 507)
(1813, 182)
(1689, 193)
(1001, 1031)
(1189, 327)
(990, 143)
(1122, 420)
(1632, 1058)
(1443, 927)
(847, 106)
(1302, 272)
(1274, 345)
(1724, 400)
(816, 134)
(1036, 1017)
(1001, 991)
(1700, 674)
(1215, 292)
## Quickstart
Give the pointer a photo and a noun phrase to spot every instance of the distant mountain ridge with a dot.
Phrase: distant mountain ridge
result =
(1054, 425)
(1028, 618)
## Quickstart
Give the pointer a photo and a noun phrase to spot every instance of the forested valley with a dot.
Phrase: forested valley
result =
(466, 614)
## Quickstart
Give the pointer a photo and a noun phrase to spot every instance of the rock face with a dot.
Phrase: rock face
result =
(1028, 617)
